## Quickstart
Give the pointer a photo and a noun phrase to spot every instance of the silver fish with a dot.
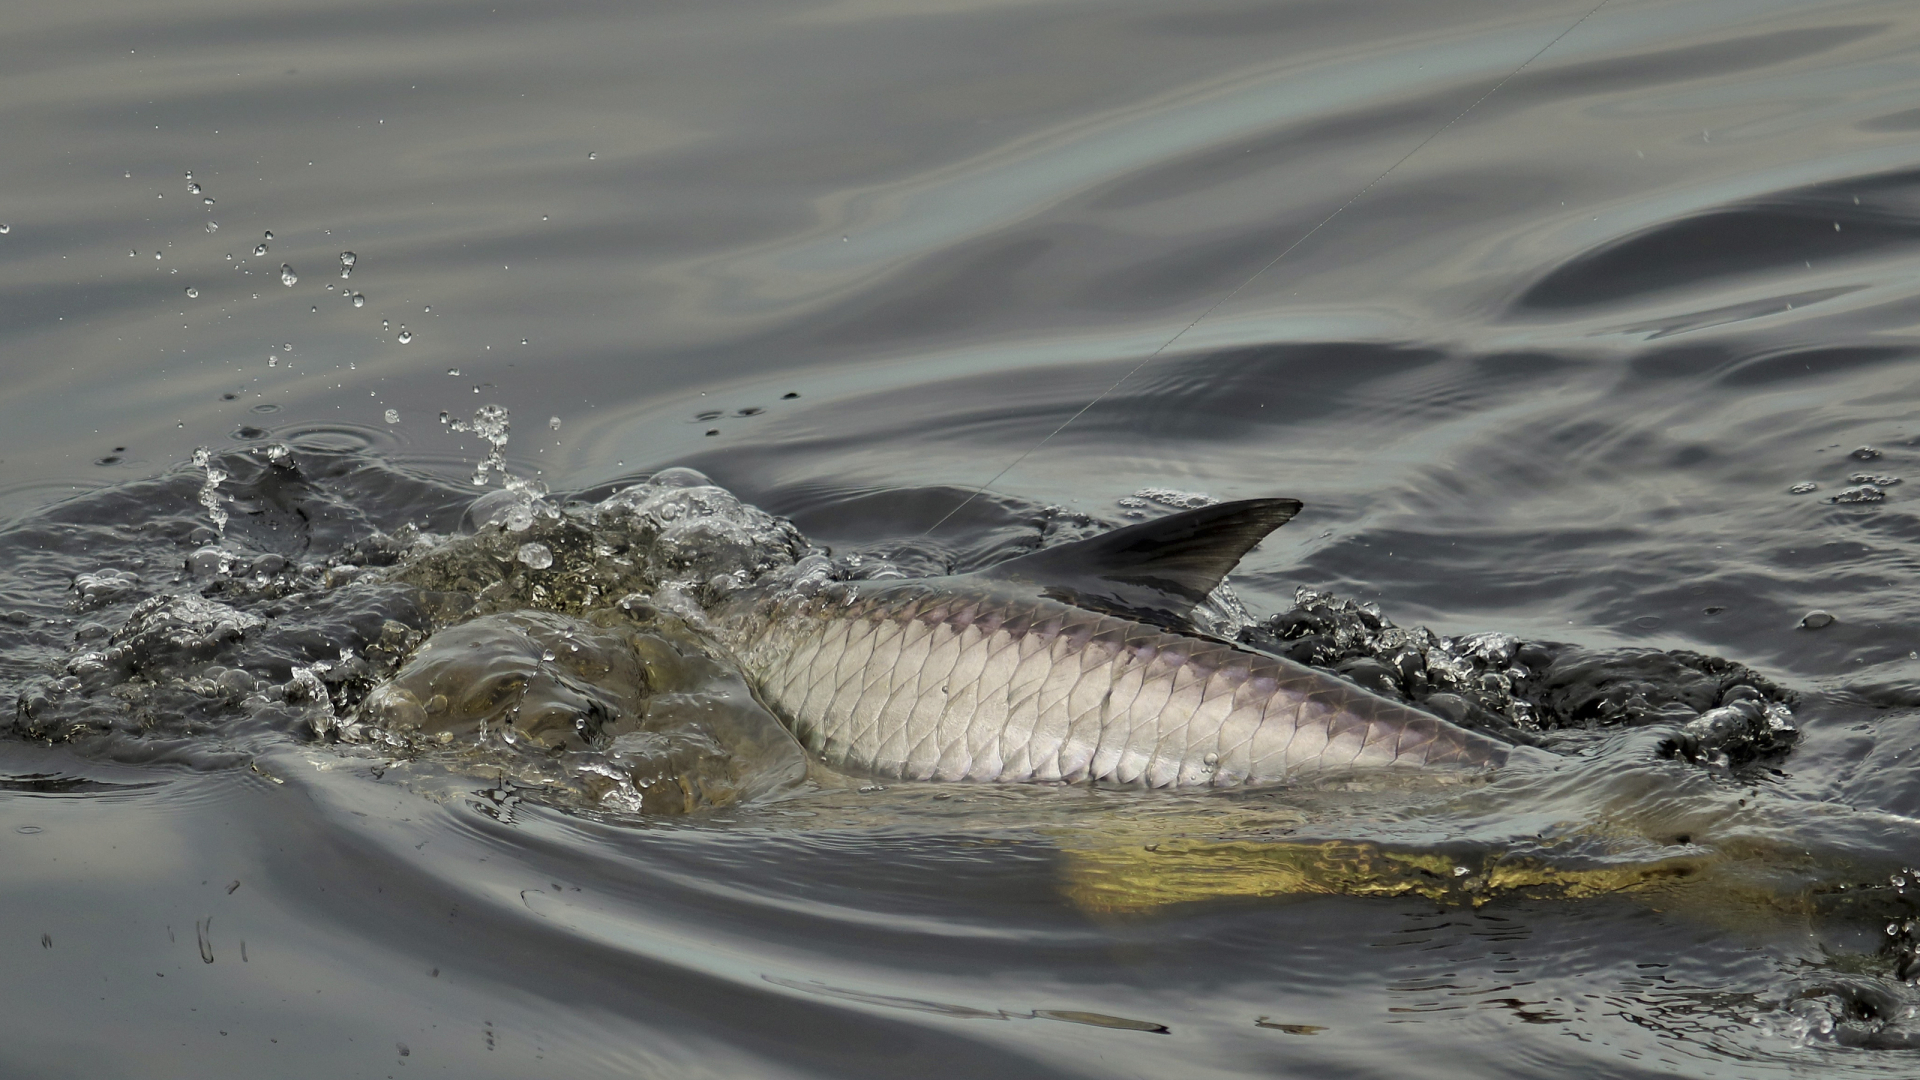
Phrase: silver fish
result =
(1071, 664)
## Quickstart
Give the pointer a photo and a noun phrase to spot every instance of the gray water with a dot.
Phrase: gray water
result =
(1553, 376)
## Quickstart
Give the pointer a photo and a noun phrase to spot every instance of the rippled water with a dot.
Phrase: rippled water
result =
(1621, 357)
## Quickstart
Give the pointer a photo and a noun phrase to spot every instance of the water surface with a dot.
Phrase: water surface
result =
(1553, 376)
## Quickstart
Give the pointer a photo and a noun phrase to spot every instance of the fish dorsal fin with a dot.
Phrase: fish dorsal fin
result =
(1157, 570)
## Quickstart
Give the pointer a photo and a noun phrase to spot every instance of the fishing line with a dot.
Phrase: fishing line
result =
(1270, 264)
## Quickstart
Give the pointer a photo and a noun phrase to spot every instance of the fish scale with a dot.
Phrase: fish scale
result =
(957, 679)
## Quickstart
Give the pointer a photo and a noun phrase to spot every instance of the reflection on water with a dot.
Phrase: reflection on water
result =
(1621, 358)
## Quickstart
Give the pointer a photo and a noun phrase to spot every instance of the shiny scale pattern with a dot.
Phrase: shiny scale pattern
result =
(911, 680)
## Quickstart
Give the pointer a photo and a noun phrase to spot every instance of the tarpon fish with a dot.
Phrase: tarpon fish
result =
(1075, 663)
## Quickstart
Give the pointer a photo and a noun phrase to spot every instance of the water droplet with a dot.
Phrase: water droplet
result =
(393, 416)
(192, 188)
(273, 361)
(347, 259)
(259, 249)
(189, 171)
(523, 341)
(593, 157)
(553, 423)
(4, 229)
(131, 253)
(269, 235)
(445, 418)
(1816, 619)
(157, 255)
(214, 226)
(287, 276)
(359, 301)
(537, 556)
(193, 293)
(406, 336)
(208, 201)
(453, 371)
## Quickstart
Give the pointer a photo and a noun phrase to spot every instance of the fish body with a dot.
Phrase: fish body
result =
(996, 676)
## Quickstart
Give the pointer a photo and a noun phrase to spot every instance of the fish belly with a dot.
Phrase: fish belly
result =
(916, 685)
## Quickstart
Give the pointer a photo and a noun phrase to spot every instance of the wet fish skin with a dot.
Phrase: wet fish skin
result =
(966, 679)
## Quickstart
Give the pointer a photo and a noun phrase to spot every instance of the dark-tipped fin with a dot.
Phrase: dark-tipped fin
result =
(1156, 571)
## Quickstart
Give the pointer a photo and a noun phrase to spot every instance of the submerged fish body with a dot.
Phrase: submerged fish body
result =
(998, 677)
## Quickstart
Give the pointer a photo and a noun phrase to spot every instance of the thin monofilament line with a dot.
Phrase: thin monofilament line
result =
(1270, 264)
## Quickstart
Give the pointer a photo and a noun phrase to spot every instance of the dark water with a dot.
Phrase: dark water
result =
(1554, 376)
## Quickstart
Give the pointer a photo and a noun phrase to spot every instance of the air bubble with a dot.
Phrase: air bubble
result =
(347, 259)
(213, 226)
(553, 423)
(208, 201)
(393, 416)
(406, 336)
(287, 276)
(273, 361)
(193, 293)
(537, 556)
(1816, 620)
(454, 371)
(259, 249)
(4, 229)
(593, 157)
(359, 301)
(193, 189)
(268, 235)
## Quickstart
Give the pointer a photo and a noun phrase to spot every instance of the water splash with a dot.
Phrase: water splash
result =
(492, 423)
(210, 489)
